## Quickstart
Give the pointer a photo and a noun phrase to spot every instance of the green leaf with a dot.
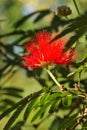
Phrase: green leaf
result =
(80, 67)
(67, 123)
(54, 95)
(77, 35)
(57, 21)
(67, 101)
(56, 123)
(55, 105)
(8, 111)
(84, 125)
(12, 108)
(29, 108)
(13, 89)
(14, 117)
(18, 125)
(40, 111)
(64, 94)
(16, 95)
(42, 14)
(26, 99)
(71, 74)
(77, 25)
(8, 101)
(22, 20)
(44, 98)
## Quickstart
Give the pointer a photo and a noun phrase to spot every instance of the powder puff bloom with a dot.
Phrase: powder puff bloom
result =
(41, 53)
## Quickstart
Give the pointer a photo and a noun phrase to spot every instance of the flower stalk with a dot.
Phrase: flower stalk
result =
(53, 78)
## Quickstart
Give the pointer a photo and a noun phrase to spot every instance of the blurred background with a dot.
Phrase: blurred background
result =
(13, 77)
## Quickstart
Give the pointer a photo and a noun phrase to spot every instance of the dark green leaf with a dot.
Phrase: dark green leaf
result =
(54, 96)
(56, 123)
(68, 122)
(40, 111)
(13, 33)
(77, 35)
(26, 99)
(12, 108)
(56, 22)
(17, 95)
(41, 15)
(30, 108)
(12, 88)
(66, 101)
(44, 98)
(77, 25)
(84, 125)
(22, 20)
(14, 117)
(55, 105)
(8, 101)
(18, 125)
(64, 94)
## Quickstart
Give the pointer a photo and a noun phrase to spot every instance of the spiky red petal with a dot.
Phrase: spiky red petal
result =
(41, 52)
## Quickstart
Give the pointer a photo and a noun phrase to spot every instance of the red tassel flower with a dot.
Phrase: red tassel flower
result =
(42, 53)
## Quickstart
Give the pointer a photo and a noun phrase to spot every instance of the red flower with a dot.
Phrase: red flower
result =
(43, 53)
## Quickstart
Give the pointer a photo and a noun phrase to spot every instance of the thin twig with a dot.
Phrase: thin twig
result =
(54, 79)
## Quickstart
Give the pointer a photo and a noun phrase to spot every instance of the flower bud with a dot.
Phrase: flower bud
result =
(63, 11)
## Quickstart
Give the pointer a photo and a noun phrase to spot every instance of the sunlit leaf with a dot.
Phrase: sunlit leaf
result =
(45, 98)
(55, 105)
(66, 101)
(30, 108)
(40, 111)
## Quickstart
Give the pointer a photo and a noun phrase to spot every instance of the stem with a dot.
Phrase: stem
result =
(76, 7)
(79, 79)
(54, 79)
(66, 18)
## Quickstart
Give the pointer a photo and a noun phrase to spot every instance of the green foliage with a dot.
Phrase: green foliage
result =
(67, 107)
(29, 108)
(14, 116)
(74, 25)
(67, 101)
(42, 13)
(8, 96)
